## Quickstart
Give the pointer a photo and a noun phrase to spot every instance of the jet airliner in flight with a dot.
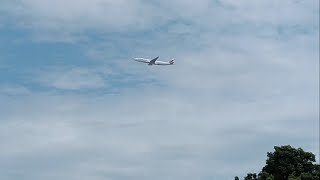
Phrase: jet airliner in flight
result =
(154, 61)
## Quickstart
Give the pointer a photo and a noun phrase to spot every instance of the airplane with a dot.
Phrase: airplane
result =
(154, 61)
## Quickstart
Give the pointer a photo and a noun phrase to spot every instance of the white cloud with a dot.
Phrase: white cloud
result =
(237, 83)
(130, 134)
(67, 20)
(73, 15)
(72, 79)
(13, 90)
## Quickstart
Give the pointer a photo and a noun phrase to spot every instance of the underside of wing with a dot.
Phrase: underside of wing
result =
(153, 60)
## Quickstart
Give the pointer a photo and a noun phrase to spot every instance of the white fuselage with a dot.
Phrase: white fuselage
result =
(144, 60)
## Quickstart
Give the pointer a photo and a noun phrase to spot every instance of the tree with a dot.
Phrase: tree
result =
(288, 163)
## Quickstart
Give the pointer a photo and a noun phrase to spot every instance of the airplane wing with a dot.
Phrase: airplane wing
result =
(153, 60)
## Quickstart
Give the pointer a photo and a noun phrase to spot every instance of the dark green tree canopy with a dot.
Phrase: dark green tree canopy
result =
(287, 160)
(288, 163)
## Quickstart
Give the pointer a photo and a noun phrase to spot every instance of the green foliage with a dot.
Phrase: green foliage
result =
(287, 160)
(251, 176)
(288, 163)
(265, 176)
(293, 177)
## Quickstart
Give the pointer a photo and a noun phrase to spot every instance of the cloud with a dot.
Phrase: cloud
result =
(14, 90)
(130, 134)
(245, 80)
(77, 16)
(71, 20)
(71, 79)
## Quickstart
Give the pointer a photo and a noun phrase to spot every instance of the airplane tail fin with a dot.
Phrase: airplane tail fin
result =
(172, 61)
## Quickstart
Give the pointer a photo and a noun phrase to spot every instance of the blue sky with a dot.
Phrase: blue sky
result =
(74, 105)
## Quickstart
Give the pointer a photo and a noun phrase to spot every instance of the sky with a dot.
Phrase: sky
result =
(75, 106)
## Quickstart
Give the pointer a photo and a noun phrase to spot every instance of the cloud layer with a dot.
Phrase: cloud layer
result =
(246, 79)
